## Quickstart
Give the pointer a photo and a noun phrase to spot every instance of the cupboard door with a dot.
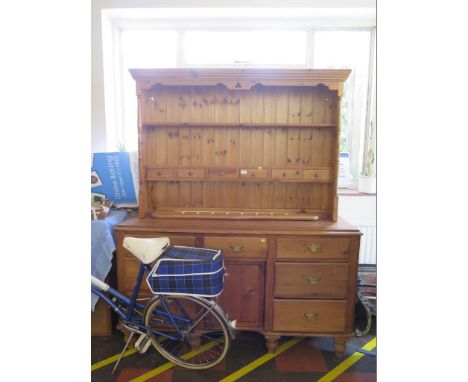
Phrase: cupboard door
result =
(243, 295)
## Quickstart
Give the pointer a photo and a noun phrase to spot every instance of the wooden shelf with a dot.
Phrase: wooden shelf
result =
(235, 124)
(235, 214)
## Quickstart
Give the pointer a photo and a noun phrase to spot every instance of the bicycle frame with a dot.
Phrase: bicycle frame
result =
(115, 299)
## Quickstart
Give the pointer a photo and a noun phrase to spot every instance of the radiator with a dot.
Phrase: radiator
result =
(368, 248)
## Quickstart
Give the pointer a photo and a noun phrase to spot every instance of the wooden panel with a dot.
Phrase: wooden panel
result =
(233, 138)
(243, 295)
(101, 320)
(312, 248)
(185, 152)
(220, 146)
(196, 194)
(294, 117)
(208, 104)
(309, 316)
(173, 190)
(172, 146)
(208, 146)
(155, 106)
(172, 103)
(257, 147)
(183, 99)
(239, 247)
(311, 280)
(268, 147)
(159, 147)
(185, 197)
(196, 104)
(245, 146)
(196, 146)
(256, 116)
(305, 147)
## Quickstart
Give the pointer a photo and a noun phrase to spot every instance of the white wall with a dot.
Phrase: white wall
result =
(98, 118)
(358, 209)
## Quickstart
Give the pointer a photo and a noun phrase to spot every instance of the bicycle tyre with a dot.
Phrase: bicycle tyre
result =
(174, 355)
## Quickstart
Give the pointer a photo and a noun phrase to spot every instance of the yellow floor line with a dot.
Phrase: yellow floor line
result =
(170, 365)
(260, 361)
(348, 362)
(112, 359)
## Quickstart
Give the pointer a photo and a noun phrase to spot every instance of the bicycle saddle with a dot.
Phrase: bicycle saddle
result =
(146, 249)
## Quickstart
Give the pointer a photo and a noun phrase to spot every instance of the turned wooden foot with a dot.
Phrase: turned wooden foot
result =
(339, 346)
(272, 343)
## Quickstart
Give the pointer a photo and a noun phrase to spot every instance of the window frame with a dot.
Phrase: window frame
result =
(113, 63)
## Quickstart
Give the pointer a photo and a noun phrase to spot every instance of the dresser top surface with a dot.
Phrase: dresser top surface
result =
(277, 227)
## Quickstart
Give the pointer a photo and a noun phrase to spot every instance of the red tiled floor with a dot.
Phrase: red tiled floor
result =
(248, 336)
(357, 377)
(303, 357)
(219, 367)
(128, 374)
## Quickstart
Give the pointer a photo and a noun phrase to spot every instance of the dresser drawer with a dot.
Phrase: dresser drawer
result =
(191, 173)
(239, 247)
(320, 175)
(286, 174)
(253, 173)
(186, 241)
(222, 173)
(160, 173)
(311, 280)
(309, 316)
(312, 248)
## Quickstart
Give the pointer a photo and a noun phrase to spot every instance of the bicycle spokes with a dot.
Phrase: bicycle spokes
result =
(195, 334)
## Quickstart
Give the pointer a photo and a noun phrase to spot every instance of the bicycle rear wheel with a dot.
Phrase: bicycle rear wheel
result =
(191, 332)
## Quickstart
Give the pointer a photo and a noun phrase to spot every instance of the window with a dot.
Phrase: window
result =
(350, 50)
(141, 49)
(242, 47)
(255, 48)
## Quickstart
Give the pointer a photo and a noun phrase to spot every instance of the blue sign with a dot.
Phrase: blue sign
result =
(115, 177)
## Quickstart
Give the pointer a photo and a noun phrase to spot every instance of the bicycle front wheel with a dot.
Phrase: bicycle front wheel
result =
(190, 332)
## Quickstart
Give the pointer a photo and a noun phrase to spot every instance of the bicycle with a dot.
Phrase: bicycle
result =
(191, 331)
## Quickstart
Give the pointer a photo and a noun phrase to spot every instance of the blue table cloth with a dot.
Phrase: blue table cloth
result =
(103, 246)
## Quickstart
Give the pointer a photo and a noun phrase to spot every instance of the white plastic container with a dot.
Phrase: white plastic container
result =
(367, 184)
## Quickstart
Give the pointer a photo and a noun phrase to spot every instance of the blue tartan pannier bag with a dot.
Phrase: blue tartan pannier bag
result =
(188, 271)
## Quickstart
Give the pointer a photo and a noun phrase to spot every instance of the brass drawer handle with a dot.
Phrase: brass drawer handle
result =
(237, 248)
(313, 279)
(310, 315)
(314, 247)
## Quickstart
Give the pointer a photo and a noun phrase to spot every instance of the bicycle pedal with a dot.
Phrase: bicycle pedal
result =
(143, 343)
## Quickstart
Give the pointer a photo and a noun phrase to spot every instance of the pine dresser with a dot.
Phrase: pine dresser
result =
(246, 160)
